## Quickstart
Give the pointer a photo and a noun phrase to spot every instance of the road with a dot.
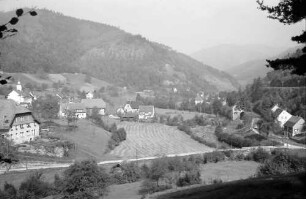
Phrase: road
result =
(48, 165)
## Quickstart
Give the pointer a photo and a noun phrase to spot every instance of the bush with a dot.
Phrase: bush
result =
(130, 172)
(215, 156)
(259, 155)
(189, 178)
(281, 163)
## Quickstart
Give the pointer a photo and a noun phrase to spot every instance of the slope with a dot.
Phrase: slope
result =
(57, 44)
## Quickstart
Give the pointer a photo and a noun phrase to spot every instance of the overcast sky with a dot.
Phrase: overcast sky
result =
(184, 25)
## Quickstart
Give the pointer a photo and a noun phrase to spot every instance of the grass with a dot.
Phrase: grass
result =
(126, 191)
(228, 171)
(147, 139)
(289, 187)
(90, 140)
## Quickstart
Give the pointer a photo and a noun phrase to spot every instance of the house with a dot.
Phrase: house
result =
(236, 111)
(17, 123)
(77, 109)
(146, 112)
(281, 116)
(21, 97)
(129, 116)
(89, 95)
(294, 125)
(131, 106)
(94, 104)
(198, 100)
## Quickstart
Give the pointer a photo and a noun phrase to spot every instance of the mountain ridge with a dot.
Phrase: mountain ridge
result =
(56, 43)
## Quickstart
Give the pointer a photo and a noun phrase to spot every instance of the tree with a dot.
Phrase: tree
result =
(7, 31)
(289, 12)
(7, 154)
(47, 107)
(85, 180)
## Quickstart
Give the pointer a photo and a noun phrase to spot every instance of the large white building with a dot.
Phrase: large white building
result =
(21, 97)
(17, 123)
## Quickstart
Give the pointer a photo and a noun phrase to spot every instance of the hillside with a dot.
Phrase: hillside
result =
(247, 71)
(59, 44)
(226, 56)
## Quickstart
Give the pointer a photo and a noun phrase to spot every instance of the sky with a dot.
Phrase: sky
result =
(184, 25)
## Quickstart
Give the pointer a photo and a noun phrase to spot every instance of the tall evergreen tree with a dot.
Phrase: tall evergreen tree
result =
(289, 12)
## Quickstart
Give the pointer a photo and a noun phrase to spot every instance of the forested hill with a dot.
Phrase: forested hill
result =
(56, 43)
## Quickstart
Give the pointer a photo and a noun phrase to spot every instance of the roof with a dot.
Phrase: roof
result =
(277, 112)
(134, 104)
(292, 121)
(8, 111)
(130, 115)
(93, 103)
(146, 109)
(73, 106)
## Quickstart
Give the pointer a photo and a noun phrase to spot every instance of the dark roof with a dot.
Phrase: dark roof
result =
(73, 106)
(146, 109)
(292, 121)
(277, 112)
(8, 111)
(134, 104)
(92, 103)
(130, 115)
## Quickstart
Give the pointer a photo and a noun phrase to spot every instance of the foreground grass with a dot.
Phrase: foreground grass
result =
(289, 187)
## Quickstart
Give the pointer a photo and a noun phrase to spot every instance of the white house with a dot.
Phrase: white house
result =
(198, 100)
(146, 112)
(77, 109)
(94, 104)
(17, 123)
(131, 106)
(21, 97)
(281, 116)
(294, 125)
(236, 111)
(89, 95)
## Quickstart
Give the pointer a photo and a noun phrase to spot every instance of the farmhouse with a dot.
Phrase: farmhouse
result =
(281, 115)
(94, 104)
(17, 123)
(78, 110)
(294, 125)
(146, 112)
(131, 106)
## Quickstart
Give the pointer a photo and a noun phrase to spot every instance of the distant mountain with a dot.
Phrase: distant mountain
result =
(56, 44)
(246, 72)
(226, 56)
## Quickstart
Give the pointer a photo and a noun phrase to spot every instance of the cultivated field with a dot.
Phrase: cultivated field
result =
(146, 139)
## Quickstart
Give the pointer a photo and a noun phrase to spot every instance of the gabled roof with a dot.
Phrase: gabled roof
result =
(8, 111)
(146, 109)
(92, 103)
(134, 104)
(292, 121)
(73, 106)
(277, 112)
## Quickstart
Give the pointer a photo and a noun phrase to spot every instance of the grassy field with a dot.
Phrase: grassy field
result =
(228, 171)
(126, 191)
(186, 114)
(146, 139)
(286, 187)
(90, 140)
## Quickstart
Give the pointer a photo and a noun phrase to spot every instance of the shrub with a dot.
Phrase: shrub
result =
(130, 172)
(259, 155)
(189, 178)
(281, 163)
(217, 181)
(215, 156)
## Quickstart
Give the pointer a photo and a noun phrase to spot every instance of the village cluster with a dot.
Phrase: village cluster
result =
(18, 123)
